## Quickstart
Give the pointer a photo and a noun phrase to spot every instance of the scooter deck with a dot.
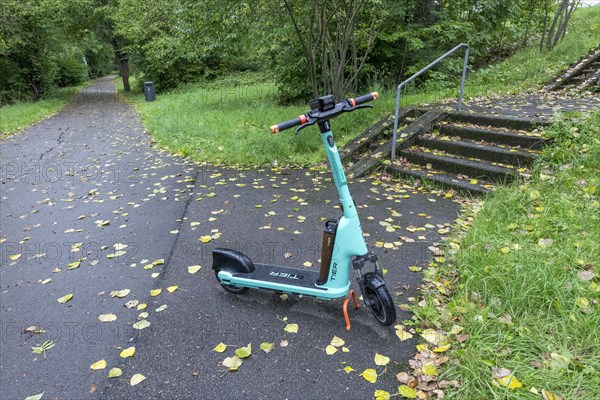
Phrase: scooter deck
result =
(283, 275)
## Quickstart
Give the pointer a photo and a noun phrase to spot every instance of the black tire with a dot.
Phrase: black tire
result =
(231, 288)
(382, 303)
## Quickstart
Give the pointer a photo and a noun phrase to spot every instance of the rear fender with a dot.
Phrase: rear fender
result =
(231, 261)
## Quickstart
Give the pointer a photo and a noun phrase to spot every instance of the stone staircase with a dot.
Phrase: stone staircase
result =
(583, 75)
(470, 153)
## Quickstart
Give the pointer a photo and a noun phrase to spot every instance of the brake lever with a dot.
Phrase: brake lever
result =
(306, 125)
(358, 107)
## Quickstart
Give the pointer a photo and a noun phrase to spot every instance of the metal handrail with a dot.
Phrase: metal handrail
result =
(407, 81)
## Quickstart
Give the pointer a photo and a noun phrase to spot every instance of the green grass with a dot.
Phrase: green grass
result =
(15, 117)
(529, 68)
(523, 295)
(228, 120)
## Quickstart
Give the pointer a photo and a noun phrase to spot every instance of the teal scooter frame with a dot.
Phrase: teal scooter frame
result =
(344, 247)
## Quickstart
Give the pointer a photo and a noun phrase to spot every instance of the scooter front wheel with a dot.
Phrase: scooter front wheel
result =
(381, 301)
(231, 288)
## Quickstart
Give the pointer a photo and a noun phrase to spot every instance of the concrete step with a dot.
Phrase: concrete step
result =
(406, 138)
(457, 165)
(450, 181)
(493, 136)
(512, 156)
(526, 124)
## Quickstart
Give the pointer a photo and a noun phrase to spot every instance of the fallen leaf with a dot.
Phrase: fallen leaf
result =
(15, 257)
(337, 342)
(381, 360)
(192, 269)
(221, 347)
(115, 372)
(402, 334)
(143, 324)
(244, 352)
(128, 352)
(348, 369)
(267, 347)
(135, 379)
(429, 369)
(173, 288)
(370, 375)
(330, 350)
(35, 396)
(101, 364)
(65, 298)
(233, 363)
(107, 317)
(292, 328)
(155, 292)
(161, 308)
(120, 293)
(407, 392)
(381, 395)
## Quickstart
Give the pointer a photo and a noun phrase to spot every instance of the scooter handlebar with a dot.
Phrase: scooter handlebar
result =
(289, 124)
(365, 98)
(322, 114)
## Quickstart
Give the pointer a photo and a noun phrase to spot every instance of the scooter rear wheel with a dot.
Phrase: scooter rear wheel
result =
(231, 288)
(382, 303)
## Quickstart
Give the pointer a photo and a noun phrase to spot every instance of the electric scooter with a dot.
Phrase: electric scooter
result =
(343, 246)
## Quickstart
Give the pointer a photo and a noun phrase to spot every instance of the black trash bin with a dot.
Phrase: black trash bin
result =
(149, 91)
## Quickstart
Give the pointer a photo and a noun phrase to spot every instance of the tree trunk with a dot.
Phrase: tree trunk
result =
(123, 64)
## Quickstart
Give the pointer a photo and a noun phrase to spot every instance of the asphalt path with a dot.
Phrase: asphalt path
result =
(89, 203)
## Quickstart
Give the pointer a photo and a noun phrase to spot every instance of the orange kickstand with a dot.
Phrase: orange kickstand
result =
(345, 307)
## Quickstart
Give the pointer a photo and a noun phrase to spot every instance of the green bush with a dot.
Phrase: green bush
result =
(71, 70)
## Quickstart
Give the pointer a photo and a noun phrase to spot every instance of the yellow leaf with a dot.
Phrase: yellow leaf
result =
(65, 298)
(348, 369)
(115, 372)
(205, 238)
(330, 350)
(510, 381)
(143, 324)
(381, 395)
(267, 347)
(15, 257)
(505, 250)
(107, 317)
(74, 265)
(337, 342)
(155, 292)
(233, 363)
(370, 375)
(429, 369)
(192, 269)
(128, 352)
(119, 293)
(381, 360)
(173, 288)
(142, 306)
(292, 328)
(345, 350)
(431, 336)
(441, 349)
(98, 365)
(307, 264)
(160, 261)
(221, 347)
(244, 352)
(135, 379)
(402, 334)
(407, 392)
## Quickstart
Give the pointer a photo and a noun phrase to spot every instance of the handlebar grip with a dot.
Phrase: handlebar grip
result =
(365, 98)
(300, 120)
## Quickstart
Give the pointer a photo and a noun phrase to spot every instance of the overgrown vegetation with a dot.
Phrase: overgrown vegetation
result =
(227, 119)
(14, 117)
(528, 288)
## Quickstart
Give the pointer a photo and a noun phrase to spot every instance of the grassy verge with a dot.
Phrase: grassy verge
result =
(227, 121)
(15, 117)
(528, 281)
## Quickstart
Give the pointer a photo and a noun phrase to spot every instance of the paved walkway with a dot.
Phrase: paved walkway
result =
(87, 202)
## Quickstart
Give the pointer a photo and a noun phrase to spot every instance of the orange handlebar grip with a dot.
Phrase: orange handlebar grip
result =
(375, 95)
(275, 129)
